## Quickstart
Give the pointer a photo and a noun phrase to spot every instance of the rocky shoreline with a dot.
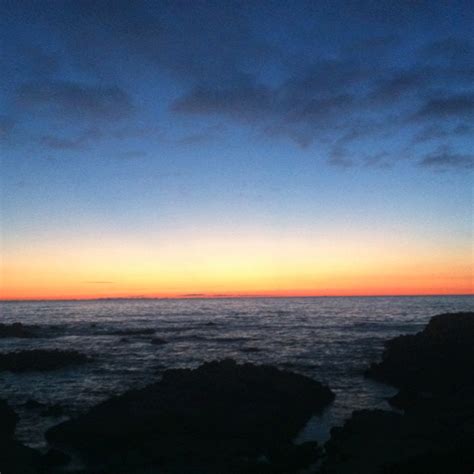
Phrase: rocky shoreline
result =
(225, 417)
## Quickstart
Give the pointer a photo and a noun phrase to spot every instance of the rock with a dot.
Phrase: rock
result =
(40, 360)
(53, 411)
(380, 442)
(16, 330)
(46, 410)
(54, 458)
(434, 370)
(219, 415)
(433, 366)
(14, 457)
(8, 420)
(31, 404)
(292, 458)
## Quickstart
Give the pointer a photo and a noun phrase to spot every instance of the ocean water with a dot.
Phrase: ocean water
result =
(330, 339)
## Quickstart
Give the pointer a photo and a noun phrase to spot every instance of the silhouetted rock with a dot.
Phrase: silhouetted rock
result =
(293, 457)
(434, 370)
(16, 330)
(31, 404)
(40, 360)
(14, 457)
(433, 366)
(379, 442)
(220, 415)
(8, 420)
(53, 411)
(54, 458)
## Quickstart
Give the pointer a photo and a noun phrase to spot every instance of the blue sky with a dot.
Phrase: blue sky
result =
(236, 118)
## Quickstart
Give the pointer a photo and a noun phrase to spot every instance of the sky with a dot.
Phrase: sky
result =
(267, 148)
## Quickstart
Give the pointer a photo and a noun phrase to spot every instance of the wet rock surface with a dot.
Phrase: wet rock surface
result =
(40, 360)
(434, 370)
(220, 417)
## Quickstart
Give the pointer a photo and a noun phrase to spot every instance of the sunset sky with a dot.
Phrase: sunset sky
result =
(169, 149)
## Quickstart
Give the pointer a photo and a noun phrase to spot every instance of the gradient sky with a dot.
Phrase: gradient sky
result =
(236, 148)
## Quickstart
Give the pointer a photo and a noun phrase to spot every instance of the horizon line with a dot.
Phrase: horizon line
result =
(222, 297)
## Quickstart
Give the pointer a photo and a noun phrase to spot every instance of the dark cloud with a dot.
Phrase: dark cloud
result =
(436, 132)
(444, 158)
(454, 106)
(392, 75)
(246, 100)
(75, 100)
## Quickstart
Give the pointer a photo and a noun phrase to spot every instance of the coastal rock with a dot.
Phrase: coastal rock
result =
(220, 415)
(433, 366)
(40, 360)
(53, 411)
(434, 370)
(32, 404)
(8, 420)
(54, 458)
(382, 442)
(16, 330)
(14, 457)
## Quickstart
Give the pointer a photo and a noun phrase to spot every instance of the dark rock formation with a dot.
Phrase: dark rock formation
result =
(44, 409)
(8, 420)
(433, 366)
(53, 411)
(54, 458)
(31, 404)
(220, 417)
(379, 442)
(16, 330)
(434, 370)
(40, 360)
(14, 457)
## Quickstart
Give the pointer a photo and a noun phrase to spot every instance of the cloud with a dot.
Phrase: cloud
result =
(445, 158)
(246, 100)
(266, 67)
(454, 106)
(436, 132)
(76, 100)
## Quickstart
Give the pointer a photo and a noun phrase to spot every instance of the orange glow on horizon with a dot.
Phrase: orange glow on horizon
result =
(225, 267)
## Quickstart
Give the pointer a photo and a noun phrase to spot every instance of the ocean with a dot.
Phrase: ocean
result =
(330, 339)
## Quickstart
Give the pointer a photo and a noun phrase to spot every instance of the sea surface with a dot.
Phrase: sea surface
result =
(330, 339)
